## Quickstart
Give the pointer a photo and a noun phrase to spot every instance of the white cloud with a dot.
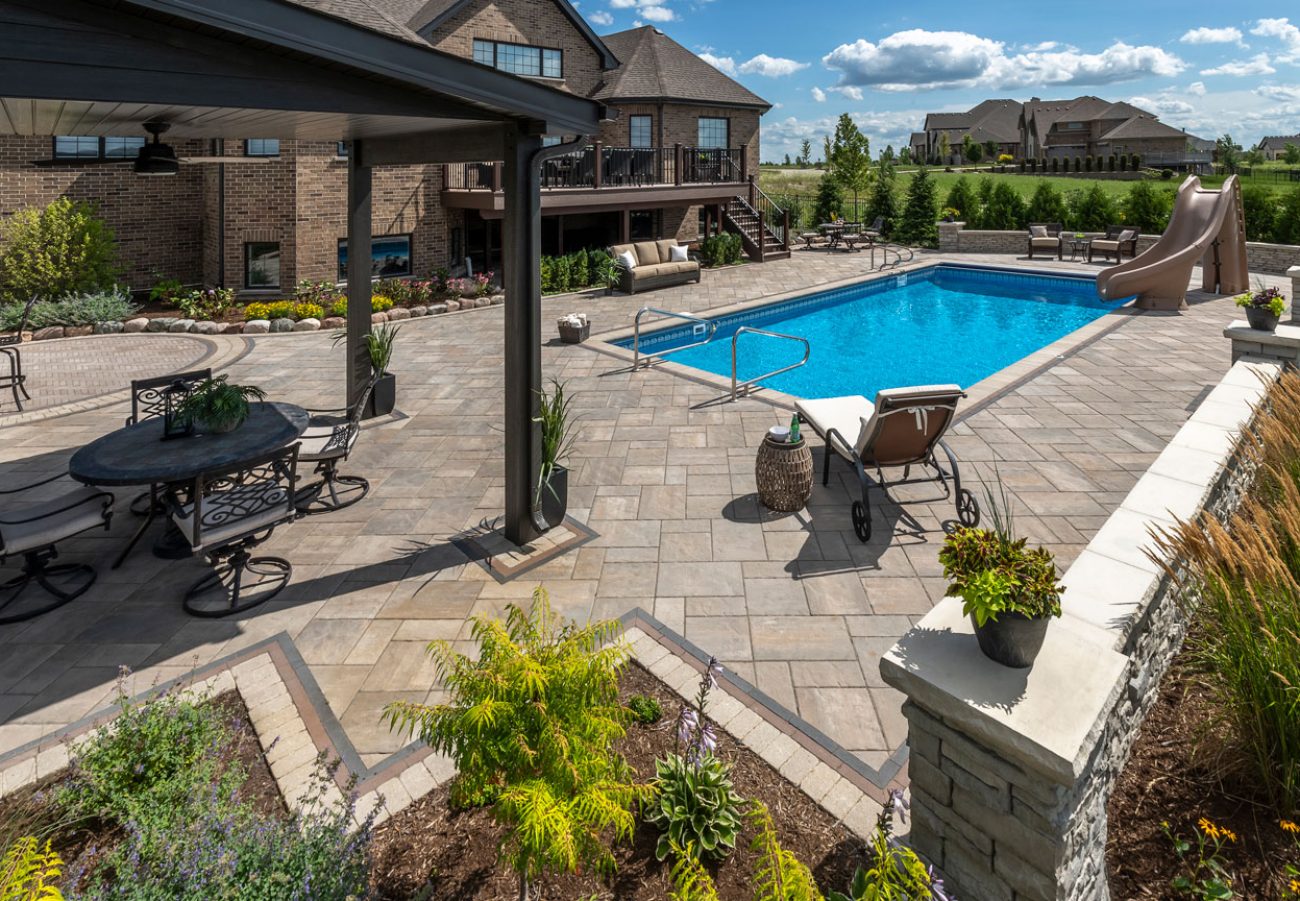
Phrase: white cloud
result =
(1041, 46)
(1205, 35)
(600, 17)
(920, 60)
(849, 91)
(819, 95)
(721, 63)
(1257, 65)
(1164, 105)
(1285, 33)
(657, 14)
(1283, 92)
(771, 66)
(883, 128)
(1196, 88)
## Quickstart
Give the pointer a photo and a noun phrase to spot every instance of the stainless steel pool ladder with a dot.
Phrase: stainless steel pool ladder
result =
(743, 387)
(709, 326)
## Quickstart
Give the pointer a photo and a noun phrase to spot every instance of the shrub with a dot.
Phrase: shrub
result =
(405, 292)
(166, 291)
(1005, 208)
(1147, 208)
(1245, 576)
(1286, 227)
(722, 249)
(884, 201)
(1136, 160)
(1056, 164)
(206, 303)
(380, 303)
(1091, 209)
(1260, 209)
(1078, 164)
(962, 199)
(1110, 163)
(29, 872)
(1166, 174)
(62, 249)
(830, 200)
(317, 292)
(535, 716)
(778, 874)
(1087, 163)
(918, 226)
(1046, 204)
(893, 870)
(275, 309)
(113, 305)
(645, 710)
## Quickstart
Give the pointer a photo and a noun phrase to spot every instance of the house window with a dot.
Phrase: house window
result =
(714, 133)
(643, 225)
(89, 147)
(341, 149)
(639, 131)
(262, 147)
(390, 256)
(520, 59)
(261, 265)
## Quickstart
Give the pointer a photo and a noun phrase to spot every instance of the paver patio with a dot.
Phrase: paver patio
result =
(663, 473)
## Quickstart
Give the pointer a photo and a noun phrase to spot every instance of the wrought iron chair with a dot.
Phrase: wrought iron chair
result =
(902, 428)
(148, 402)
(33, 531)
(330, 437)
(224, 514)
(11, 347)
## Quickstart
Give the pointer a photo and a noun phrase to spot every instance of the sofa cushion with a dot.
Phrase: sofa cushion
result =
(619, 249)
(647, 253)
(658, 269)
(666, 249)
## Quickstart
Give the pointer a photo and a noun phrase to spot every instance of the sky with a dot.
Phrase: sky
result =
(1209, 68)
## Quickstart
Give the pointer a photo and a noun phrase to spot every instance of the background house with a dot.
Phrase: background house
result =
(1090, 126)
(992, 120)
(1274, 146)
(260, 214)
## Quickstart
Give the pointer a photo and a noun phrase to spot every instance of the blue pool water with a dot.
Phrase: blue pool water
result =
(941, 324)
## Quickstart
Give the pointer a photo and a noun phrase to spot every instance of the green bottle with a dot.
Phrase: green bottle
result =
(794, 429)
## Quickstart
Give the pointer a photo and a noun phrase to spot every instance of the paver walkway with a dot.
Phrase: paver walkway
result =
(662, 473)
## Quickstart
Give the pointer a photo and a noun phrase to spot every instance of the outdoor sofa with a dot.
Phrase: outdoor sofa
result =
(654, 267)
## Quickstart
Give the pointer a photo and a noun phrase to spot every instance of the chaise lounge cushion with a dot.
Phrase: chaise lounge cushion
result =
(846, 415)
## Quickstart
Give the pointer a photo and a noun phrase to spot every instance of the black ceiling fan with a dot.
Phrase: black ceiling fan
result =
(156, 158)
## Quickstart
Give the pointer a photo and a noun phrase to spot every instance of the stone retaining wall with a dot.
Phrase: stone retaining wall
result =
(1011, 770)
(954, 237)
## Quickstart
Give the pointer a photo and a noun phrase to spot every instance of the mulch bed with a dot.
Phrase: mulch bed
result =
(1182, 768)
(429, 851)
(81, 847)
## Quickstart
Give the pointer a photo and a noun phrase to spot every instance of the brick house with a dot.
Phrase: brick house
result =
(261, 214)
(1274, 146)
(1090, 126)
(991, 120)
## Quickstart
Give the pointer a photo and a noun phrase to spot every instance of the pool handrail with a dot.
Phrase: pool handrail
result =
(749, 383)
(636, 333)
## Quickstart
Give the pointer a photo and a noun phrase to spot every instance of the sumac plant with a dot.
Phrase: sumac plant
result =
(531, 723)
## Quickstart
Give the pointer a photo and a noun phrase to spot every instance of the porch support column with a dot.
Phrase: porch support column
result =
(521, 241)
(358, 358)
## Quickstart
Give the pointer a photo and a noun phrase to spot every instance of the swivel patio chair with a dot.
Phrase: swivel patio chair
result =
(224, 514)
(1046, 236)
(330, 437)
(33, 531)
(11, 347)
(902, 428)
(148, 401)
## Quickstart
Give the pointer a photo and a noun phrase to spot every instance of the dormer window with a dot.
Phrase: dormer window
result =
(520, 59)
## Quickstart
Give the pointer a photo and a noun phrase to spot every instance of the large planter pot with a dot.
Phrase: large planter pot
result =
(1261, 319)
(384, 398)
(219, 427)
(555, 497)
(1013, 639)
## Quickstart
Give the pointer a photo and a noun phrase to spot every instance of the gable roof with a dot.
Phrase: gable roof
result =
(655, 67)
(1143, 127)
(434, 13)
(1278, 142)
(989, 120)
(364, 13)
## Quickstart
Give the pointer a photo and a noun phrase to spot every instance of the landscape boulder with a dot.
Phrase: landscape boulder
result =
(50, 331)
(181, 325)
(78, 331)
(284, 324)
(257, 327)
(135, 325)
(306, 325)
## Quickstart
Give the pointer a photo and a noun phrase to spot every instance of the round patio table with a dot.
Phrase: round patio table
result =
(833, 231)
(138, 455)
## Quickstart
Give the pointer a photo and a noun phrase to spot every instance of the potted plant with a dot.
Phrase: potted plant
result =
(1263, 306)
(608, 271)
(555, 418)
(379, 346)
(949, 214)
(1009, 591)
(216, 406)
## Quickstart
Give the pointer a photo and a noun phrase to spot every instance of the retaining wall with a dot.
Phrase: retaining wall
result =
(1011, 770)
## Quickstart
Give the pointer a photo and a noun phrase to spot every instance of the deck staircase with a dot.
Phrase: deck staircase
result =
(764, 227)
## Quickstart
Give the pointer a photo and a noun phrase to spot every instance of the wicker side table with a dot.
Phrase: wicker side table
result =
(784, 474)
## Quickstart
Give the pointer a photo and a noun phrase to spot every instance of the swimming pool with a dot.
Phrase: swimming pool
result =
(937, 325)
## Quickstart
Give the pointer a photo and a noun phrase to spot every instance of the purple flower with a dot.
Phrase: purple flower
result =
(714, 672)
(686, 724)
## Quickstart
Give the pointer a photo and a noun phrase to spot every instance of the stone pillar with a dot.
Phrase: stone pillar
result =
(950, 236)
(1294, 274)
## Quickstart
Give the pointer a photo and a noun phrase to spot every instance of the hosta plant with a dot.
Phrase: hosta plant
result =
(697, 807)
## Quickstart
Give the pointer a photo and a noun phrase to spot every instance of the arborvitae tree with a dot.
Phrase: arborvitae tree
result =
(985, 193)
(1087, 163)
(1078, 164)
(945, 148)
(1291, 154)
(1260, 209)
(905, 155)
(787, 159)
(974, 152)
(1005, 209)
(919, 226)
(1147, 209)
(884, 202)
(1136, 160)
(1286, 227)
(991, 151)
(830, 199)
(1091, 210)
(1047, 204)
(1056, 164)
(962, 199)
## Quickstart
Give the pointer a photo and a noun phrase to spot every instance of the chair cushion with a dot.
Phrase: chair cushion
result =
(50, 526)
(677, 254)
(225, 513)
(1045, 242)
(647, 253)
(1103, 244)
(847, 415)
(1038, 231)
(326, 438)
(1127, 234)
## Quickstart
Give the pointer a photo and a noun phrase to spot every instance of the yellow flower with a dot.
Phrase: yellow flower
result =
(1210, 830)
(1289, 826)
(1228, 834)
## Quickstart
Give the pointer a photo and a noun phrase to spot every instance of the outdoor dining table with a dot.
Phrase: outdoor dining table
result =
(139, 455)
(833, 231)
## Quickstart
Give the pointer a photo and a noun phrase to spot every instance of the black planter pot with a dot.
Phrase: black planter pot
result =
(1261, 319)
(1013, 639)
(384, 398)
(555, 497)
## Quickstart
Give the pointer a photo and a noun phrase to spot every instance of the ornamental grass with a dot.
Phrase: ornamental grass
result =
(1243, 575)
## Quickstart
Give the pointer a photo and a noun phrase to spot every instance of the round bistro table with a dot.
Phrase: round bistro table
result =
(138, 455)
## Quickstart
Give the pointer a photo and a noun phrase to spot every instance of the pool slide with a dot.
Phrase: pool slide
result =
(1205, 224)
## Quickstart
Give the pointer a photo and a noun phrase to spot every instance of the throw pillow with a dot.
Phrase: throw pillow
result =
(1038, 231)
(677, 254)
(627, 260)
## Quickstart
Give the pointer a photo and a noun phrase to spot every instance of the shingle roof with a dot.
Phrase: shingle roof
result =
(1278, 142)
(989, 120)
(1143, 127)
(426, 16)
(655, 67)
(365, 13)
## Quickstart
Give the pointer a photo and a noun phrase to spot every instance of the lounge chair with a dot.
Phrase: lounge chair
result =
(1117, 240)
(902, 428)
(1045, 236)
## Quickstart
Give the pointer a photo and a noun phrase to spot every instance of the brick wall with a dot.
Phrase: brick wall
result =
(524, 22)
(259, 206)
(154, 218)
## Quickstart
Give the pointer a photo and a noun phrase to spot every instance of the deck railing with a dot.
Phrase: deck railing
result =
(599, 166)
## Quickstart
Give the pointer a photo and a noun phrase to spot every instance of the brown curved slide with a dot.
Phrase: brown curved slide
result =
(1205, 226)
